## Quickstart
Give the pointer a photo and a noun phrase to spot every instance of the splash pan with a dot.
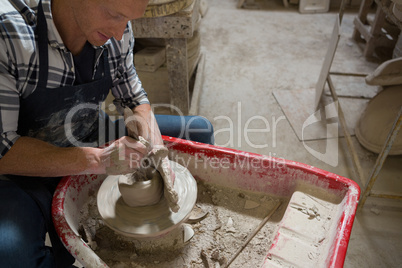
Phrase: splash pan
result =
(312, 228)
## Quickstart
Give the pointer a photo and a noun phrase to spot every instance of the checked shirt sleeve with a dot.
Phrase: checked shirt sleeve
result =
(9, 102)
(127, 87)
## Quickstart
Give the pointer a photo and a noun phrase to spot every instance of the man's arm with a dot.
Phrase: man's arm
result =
(33, 157)
(147, 126)
(148, 129)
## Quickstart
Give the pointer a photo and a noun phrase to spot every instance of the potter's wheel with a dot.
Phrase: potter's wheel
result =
(146, 221)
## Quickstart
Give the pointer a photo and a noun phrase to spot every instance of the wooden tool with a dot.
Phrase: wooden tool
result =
(262, 223)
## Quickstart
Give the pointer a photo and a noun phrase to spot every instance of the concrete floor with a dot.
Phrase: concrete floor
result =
(251, 53)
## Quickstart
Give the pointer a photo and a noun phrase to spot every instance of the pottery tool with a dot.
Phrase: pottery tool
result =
(251, 236)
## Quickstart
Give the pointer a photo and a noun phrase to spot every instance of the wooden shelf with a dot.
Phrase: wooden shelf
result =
(378, 32)
(179, 25)
(386, 5)
(175, 28)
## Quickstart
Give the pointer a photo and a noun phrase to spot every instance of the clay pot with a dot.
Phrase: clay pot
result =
(137, 193)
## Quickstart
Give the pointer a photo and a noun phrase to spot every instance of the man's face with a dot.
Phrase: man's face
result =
(100, 20)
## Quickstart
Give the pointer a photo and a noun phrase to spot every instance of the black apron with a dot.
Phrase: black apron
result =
(46, 114)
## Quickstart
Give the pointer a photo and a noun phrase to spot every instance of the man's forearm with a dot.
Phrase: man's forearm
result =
(147, 126)
(33, 157)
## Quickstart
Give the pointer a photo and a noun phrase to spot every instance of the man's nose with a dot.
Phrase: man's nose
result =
(118, 30)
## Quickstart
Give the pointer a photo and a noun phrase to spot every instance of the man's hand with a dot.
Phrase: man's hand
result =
(123, 156)
(159, 160)
(168, 177)
(141, 125)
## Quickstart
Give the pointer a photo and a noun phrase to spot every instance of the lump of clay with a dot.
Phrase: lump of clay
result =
(137, 192)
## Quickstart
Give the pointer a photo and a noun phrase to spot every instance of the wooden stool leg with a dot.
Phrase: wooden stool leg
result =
(375, 33)
(381, 159)
(176, 57)
(362, 17)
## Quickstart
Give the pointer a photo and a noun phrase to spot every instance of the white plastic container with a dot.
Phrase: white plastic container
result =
(313, 6)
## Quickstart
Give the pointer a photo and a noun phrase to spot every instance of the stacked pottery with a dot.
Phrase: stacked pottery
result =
(397, 9)
(159, 8)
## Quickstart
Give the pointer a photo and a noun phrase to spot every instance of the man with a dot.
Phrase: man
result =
(58, 61)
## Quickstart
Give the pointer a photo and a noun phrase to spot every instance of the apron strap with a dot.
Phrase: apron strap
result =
(41, 33)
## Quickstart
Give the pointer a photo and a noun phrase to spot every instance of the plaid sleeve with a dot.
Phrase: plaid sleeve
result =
(127, 87)
(9, 104)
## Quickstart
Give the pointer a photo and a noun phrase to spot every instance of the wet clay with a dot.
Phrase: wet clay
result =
(146, 221)
(137, 191)
(219, 233)
(157, 158)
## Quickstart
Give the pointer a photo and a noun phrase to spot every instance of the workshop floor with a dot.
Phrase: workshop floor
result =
(252, 53)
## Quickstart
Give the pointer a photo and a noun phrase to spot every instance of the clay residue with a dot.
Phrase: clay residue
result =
(157, 158)
(146, 221)
(307, 229)
(216, 238)
(139, 192)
